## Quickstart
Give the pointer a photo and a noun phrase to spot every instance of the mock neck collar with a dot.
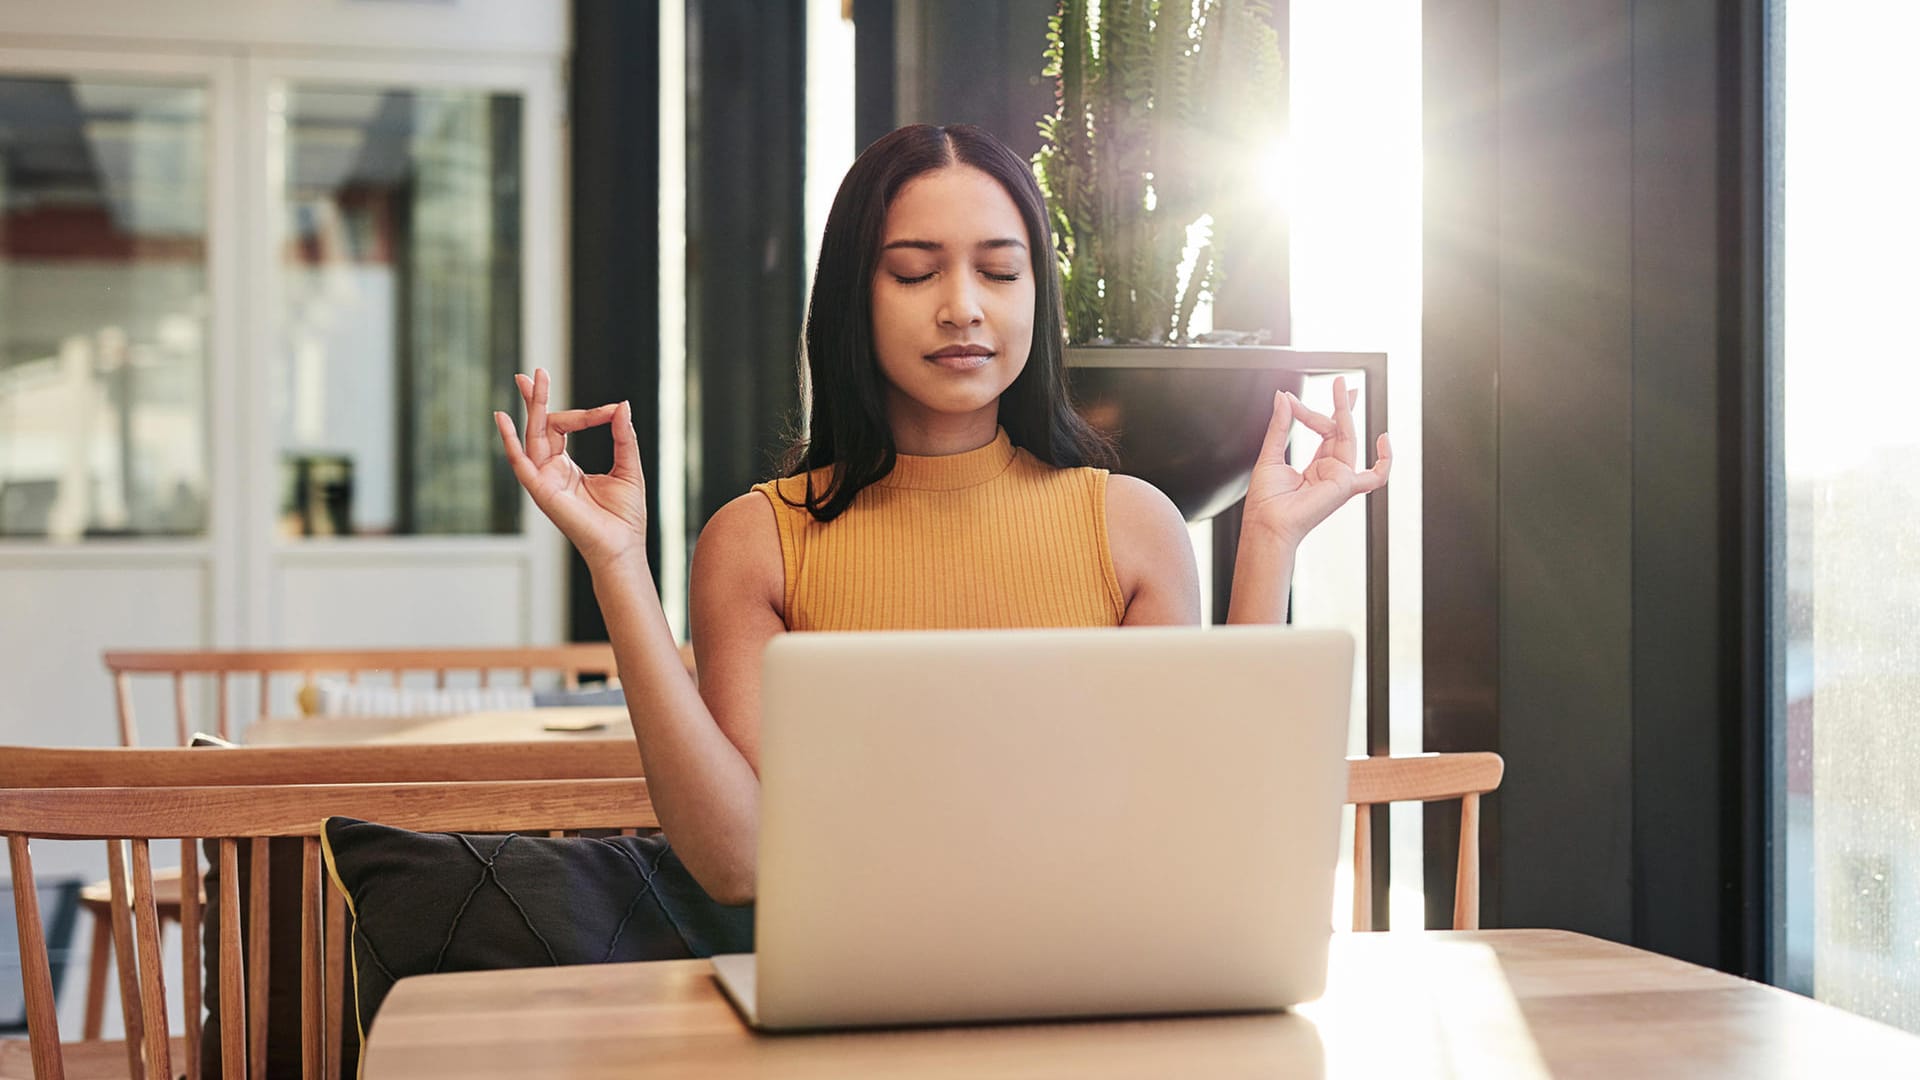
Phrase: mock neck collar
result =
(950, 472)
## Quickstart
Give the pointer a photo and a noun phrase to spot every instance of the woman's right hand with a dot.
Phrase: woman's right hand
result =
(604, 515)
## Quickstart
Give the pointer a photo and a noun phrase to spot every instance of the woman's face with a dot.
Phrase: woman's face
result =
(952, 299)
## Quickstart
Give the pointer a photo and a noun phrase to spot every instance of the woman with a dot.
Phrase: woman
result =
(946, 483)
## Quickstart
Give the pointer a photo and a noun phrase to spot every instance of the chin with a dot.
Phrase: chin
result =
(953, 400)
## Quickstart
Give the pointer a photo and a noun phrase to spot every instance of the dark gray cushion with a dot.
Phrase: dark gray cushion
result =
(431, 902)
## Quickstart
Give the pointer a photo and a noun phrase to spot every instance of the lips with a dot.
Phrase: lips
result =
(961, 357)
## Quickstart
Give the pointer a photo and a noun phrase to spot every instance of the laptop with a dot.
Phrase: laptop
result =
(969, 826)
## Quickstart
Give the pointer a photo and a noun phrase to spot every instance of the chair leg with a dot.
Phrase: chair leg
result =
(96, 1019)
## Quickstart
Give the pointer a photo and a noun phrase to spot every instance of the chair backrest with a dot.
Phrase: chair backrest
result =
(1372, 781)
(398, 763)
(130, 815)
(224, 667)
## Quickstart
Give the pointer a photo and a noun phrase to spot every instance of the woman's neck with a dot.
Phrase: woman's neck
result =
(922, 433)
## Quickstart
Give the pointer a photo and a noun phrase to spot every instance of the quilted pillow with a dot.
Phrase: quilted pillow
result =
(430, 902)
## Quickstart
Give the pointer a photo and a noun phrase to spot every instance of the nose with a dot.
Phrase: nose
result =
(960, 303)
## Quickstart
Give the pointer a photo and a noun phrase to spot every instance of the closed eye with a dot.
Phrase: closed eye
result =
(928, 276)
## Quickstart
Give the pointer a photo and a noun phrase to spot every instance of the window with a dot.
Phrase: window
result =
(1845, 232)
(400, 317)
(103, 308)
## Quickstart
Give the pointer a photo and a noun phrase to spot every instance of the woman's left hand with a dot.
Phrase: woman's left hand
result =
(1288, 502)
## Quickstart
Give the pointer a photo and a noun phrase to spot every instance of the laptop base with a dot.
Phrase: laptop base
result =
(735, 973)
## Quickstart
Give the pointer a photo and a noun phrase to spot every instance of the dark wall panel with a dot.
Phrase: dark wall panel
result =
(746, 98)
(1676, 580)
(1460, 358)
(974, 62)
(1594, 443)
(873, 78)
(614, 244)
(1565, 464)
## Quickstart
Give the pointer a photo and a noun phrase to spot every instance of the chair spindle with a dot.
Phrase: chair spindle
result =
(259, 955)
(43, 1026)
(311, 1024)
(126, 963)
(190, 991)
(153, 989)
(233, 1003)
(180, 724)
(1362, 867)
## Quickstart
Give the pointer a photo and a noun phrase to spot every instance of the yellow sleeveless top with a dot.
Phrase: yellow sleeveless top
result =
(990, 538)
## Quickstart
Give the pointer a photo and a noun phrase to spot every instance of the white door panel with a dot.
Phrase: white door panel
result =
(58, 616)
(462, 600)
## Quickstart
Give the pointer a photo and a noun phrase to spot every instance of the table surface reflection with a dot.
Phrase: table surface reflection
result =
(1485, 1003)
(573, 723)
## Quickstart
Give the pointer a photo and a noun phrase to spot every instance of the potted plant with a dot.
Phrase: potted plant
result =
(1162, 109)
(1164, 114)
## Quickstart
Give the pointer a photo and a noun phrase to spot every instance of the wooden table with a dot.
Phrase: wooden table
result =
(1487, 1003)
(513, 725)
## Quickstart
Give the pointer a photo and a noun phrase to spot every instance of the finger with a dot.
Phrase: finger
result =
(1346, 443)
(523, 468)
(1376, 478)
(569, 421)
(540, 444)
(1273, 449)
(524, 384)
(1319, 423)
(1353, 398)
(626, 446)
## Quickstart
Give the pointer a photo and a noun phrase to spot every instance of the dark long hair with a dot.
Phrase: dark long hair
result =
(848, 424)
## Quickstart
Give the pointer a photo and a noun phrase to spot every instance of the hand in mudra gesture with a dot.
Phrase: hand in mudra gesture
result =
(603, 514)
(1289, 502)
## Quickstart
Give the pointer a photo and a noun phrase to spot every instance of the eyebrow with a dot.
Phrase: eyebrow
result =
(935, 245)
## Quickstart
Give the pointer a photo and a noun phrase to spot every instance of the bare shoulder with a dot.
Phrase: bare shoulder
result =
(1152, 554)
(1137, 504)
(739, 549)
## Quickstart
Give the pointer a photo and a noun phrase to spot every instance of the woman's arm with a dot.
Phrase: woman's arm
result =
(701, 781)
(1152, 555)
(701, 750)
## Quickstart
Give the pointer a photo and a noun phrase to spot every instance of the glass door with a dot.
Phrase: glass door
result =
(118, 352)
(407, 230)
(399, 309)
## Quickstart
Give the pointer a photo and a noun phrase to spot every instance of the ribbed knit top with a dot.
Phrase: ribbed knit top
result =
(989, 538)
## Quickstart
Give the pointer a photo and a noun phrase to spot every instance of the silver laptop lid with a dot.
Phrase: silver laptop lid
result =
(964, 825)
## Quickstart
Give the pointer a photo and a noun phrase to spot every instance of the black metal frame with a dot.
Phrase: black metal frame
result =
(1752, 503)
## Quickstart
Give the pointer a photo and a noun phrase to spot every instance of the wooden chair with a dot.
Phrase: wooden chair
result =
(1372, 781)
(129, 817)
(35, 767)
(261, 665)
(224, 667)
